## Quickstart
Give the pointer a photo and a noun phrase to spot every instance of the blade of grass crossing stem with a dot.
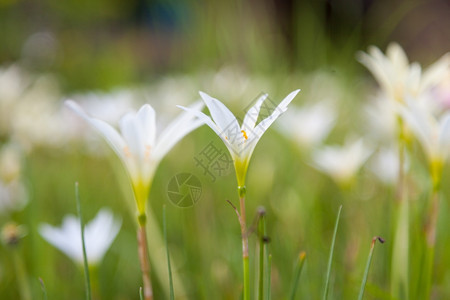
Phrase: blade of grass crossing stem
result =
(86, 267)
(171, 292)
(262, 247)
(297, 272)
(44, 290)
(366, 271)
(268, 277)
(141, 293)
(330, 259)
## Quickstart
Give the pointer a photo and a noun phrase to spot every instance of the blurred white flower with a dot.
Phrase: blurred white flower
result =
(397, 77)
(385, 165)
(309, 125)
(137, 146)
(98, 234)
(13, 195)
(341, 162)
(240, 140)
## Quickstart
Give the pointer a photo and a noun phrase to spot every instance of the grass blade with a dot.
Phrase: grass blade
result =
(44, 290)
(369, 260)
(330, 259)
(141, 293)
(171, 292)
(297, 272)
(86, 267)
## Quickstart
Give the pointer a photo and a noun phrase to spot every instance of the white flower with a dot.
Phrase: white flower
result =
(397, 77)
(385, 165)
(98, 236)
(137, 145)
(433, 133)
(309, 125)
(239, 139)
(341, 162)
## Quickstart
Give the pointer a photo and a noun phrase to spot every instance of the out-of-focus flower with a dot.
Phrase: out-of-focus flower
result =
(397, 77)
(98, 234)
(137, 145)
(308, 126)
(13, 194)
(240, 140)
(341, 162)
(432, 132)
(385, 165)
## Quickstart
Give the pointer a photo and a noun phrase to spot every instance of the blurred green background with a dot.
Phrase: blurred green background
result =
(270, 46)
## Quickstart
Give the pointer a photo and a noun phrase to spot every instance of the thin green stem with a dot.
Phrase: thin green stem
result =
(400, 249)
(143, 257)
(430, 236)
(262, 250)
(366, 271)
(244, 234)
(269, 277)
(22, 280)
(297, 273)
(85, 261)
(171, 292)
(330, 258)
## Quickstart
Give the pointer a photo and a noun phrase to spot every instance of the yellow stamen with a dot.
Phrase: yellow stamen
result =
(244, 134)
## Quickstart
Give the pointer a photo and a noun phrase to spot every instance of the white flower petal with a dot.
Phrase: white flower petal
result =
(252, 114)
(146, 116)
(221, 115)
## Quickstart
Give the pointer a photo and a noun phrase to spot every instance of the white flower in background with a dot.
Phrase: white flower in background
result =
(385, 165)
(397, 77)
(341, 162)
(381, 120)
(13, 195)
(432, 132)
(137, 145)
(309, 125)
(98, 236)
(240, 140)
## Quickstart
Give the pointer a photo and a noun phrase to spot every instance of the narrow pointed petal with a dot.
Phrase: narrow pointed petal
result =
(186, 122)
(146, 115)
(252, 114)
(133, 134)
(221, 115)
(108, 132)
(434, 73)
(281, 108)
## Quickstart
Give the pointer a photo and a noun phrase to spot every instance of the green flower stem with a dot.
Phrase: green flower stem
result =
(85, 261)
(22, 280)
(297, 273)
(245, 260)
(400, 249)
(262, 250)
(430, 236)
(143, 257)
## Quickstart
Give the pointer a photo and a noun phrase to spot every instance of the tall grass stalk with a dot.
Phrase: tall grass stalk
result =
(85, 261)
(297, 272)
(369, 261)
(330, 258)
